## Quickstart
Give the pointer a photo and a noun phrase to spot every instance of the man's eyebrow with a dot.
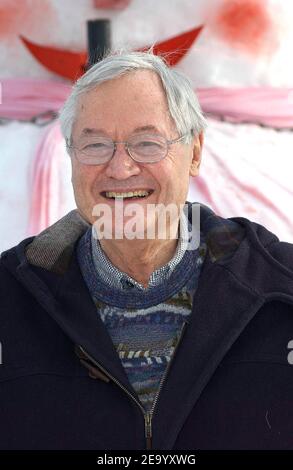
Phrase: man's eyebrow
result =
(146, 128)
(91, 131)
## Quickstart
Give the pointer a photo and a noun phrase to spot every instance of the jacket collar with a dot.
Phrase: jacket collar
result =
(53, 248)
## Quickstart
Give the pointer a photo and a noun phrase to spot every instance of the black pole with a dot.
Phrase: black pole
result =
(99, 40)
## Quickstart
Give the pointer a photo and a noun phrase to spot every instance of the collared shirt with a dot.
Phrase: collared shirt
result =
(119, 279)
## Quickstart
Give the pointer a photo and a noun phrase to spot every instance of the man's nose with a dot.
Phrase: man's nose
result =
(121, 166)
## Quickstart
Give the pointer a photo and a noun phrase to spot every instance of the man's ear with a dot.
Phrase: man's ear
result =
(196, 154)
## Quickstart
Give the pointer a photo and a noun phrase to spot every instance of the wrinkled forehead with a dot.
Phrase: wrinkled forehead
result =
(133, 100)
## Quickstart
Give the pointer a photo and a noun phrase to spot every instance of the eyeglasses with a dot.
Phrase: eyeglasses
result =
(143, 148)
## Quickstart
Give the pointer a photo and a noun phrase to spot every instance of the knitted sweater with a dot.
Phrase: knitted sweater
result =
(144, 324)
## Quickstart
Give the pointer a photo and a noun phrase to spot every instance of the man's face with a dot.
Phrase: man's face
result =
(118, 109)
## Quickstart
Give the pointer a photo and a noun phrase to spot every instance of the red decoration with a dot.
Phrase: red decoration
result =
(65, 63)
(174, 49)
(71, 64)
(245, 24)
(18, 15)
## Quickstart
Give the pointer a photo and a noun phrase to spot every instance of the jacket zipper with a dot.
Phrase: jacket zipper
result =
(149, 414)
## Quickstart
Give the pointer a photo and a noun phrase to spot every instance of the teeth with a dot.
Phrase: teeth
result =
(124, 195)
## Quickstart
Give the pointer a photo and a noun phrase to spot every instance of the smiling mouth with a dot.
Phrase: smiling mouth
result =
(140, 194)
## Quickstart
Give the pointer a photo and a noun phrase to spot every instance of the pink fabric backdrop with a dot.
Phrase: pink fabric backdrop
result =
(25, 98)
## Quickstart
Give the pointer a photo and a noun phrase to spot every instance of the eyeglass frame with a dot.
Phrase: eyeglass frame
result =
(125, 142)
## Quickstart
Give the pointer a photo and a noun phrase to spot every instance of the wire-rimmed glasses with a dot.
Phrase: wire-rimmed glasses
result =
(143, 148)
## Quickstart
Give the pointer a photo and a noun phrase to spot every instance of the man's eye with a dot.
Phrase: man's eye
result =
(96, 145)
(148, 144)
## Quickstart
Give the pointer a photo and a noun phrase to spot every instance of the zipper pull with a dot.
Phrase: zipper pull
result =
(148, 430)
(94, 372)
(87, 362)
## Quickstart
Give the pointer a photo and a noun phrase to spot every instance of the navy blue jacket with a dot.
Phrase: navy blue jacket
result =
(230, 381)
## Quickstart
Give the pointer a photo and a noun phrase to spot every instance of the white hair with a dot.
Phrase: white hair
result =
(182, 101)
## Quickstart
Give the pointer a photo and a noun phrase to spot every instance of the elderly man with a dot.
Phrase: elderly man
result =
(144, 342)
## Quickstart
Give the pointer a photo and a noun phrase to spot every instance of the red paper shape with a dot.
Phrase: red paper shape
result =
(71, 65)
(174, 49)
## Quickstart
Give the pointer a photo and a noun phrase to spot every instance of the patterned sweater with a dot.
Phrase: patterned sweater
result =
(143, 323)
